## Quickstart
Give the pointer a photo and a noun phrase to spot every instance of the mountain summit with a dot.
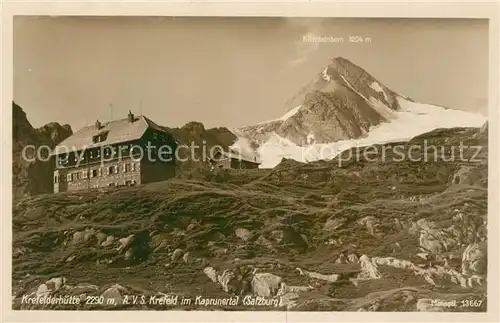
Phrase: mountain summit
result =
(342, 103)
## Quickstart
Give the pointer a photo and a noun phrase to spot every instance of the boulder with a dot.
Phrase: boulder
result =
(370, 223)
(129, 254)
(125, 243)
(342, 259)
(108, 242)
(114, 292)
(425, 305)
(101, 237)
(266, 284)
(289, 300)
(83, 288)
(34, 213)
(43, 291)
(70, 258)
(176, 255)
(473, 260)
(243, 234)
(278, 235)
(432, 239)
(352, 258)
(211, 273)
(369, 270)
(188, 258)
(333, 224)
(224, 280)
(56, 283)
(329, 278)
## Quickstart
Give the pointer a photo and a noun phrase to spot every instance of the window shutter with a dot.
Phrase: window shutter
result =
(124, 168)
(106, 171)
(133, 166)
(99, 172)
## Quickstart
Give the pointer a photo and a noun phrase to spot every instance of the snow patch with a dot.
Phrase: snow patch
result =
(379, 89)
(381, 108)
(326, 77)
(290, 113)
(412, 120)
(286, 116)
(310, 138)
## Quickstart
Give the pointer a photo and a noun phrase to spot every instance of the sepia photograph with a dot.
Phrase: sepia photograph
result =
(204, 163)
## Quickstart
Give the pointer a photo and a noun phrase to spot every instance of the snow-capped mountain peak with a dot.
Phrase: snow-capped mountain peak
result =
(341, 107)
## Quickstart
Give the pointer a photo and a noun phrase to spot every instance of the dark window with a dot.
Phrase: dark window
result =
(111, 170)
(100, 137)
(94, 173)
(55, 179)
(112, 184)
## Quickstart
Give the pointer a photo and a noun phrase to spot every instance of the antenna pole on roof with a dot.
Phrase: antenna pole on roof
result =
(110, 112)
(140, 106)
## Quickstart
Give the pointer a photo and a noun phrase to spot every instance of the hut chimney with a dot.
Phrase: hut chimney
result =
(97, 125)
(130, 117)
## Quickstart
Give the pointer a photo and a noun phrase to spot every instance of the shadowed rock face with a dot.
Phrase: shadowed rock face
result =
(55, 131)
(194, 134)
(341, 102)
(33, 177)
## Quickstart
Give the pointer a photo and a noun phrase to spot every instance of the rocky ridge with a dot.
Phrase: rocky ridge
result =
(341, 102)
(33, 177)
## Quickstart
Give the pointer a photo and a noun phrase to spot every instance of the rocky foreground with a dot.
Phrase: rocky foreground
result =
(359, 235)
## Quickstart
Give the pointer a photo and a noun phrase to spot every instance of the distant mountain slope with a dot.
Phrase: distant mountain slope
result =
(32, 177)
(197, 144)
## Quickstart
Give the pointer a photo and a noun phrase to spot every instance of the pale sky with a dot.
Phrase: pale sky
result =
(231, 71)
